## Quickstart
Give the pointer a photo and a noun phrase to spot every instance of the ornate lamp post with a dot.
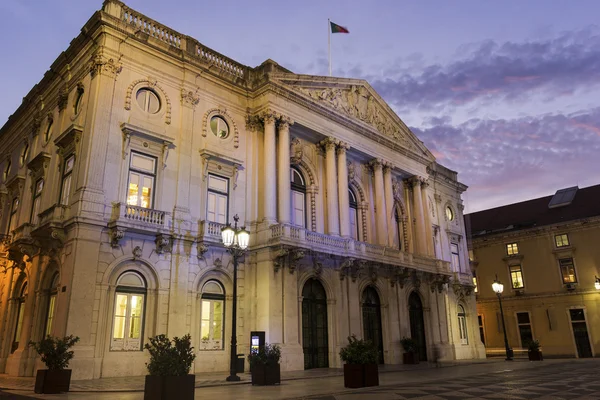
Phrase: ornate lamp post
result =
(498, 289)
(597, 283)
(236, 242)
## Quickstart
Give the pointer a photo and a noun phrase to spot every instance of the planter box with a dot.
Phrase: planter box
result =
(535, 355)
(361, 375)
(410, 358)
(266, 374)
(52, 382)
(169, 387)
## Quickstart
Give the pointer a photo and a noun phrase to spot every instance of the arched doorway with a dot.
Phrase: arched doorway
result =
(314, 325)
(417, 324)
(371, 313)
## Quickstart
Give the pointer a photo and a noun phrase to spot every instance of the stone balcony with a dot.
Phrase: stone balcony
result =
(210, 232)
(139, 219)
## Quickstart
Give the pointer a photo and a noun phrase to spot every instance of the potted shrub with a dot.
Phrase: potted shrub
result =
(533, 351)
(169, 367)
(56, 355)
(264, 365)
(410, 356)
(360, 363)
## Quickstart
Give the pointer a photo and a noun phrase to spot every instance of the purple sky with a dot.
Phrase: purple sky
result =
(506, 92)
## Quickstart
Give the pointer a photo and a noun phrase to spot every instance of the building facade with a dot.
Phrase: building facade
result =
(545, 252)
(123, 164)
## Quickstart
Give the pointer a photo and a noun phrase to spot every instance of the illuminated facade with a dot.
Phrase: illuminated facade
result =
(123, 164)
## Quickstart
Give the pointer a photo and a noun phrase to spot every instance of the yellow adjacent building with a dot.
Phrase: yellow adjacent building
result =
(546, 253)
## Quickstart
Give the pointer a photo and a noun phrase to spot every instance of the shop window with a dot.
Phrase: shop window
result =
(128, 316)
(212, 316)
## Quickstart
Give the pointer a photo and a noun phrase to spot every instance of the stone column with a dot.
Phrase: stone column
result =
(344, 201)
(283, 172)
(427, 220)
(408, 220)
(389, 203)
(380, 206)
(269, 168)
(333, 226)
(420, 246)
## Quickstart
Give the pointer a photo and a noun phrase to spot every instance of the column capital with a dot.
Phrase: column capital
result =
(376, 163)
(329, 143)
(424, 183)
(285, 122)
(342, 147)
(268, 116)
(103, 66)
(415, 180)
(387, 166)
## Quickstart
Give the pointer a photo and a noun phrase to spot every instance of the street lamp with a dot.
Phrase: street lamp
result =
(499, 288)
(597, 283)
(236, 242)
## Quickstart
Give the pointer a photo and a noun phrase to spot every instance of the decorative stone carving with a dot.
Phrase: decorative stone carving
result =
(151, 83)
(296, 151)
(116, 235)
(346, 267)
(222, 111)
(163, 243)
(201, 249)
(218, 263)
(461, 291)
(189, 98)
(102, 65)
(329, 143)
(351, 171)
(137, 252)
(295, 257)
(438, 282)
(253, 123)
(438, 198)
(416, 280)
(63, 99)
(279, 259)
(36, 122)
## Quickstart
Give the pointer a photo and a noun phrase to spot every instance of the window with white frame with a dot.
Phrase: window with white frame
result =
(561, 240)
(524, 325)
(12, 222)
(516, 276)
(298, 185)
(512, 249)
(20, 313)
(455, 256)
(51, 305)
(462, 325)
(67, 176)
(567, 270)
(212, 313)
(128, 316)
(353, 215)
(37, 199)
(142, 176)
(217, 199)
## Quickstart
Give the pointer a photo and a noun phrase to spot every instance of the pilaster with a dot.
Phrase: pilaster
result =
(420, 245)
(269, 168)
(283, 171)
(380, 204)
(344, 202)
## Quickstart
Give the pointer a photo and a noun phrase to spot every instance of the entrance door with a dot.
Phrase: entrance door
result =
(371, 312)
(580, 333)
(314, 325)
(417, 324)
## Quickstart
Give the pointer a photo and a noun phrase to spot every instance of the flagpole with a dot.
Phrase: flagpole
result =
(329, 43)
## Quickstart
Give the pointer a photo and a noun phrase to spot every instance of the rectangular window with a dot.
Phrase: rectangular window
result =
(481, 330)
(567, 270)
(516, 277)
(65, 190)
(37, 199)
(12, 222)
(298, 209)
(353, 223)
(128, 322)
(455, 257)
(217, 199)
(512, 249)
(561, 240)
(142, 175)
(462, 329)
(524, 325)
(475, 289)
(211, 330)
(20, 314)
(50, 318)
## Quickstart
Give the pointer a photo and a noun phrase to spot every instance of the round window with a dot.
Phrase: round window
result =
(219, 127)
(449, 214)
(48, 130)
(148, 100)
(78, 101)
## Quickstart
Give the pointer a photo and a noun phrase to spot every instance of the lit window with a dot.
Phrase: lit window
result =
(37, 200)
(25, 154)
(219, 127)
(455, 256)
(353, 215)
(516, 277)
(462, 325)
(148, 100)
(449, 214)
(51, 304)
(65, 191)
(217, 199)
(525, 332)
(481, 329)
(142, 173)
(48, 133)
(475, 289)
(12, 222)
(512, 249)
(128, 318)
(567, 270)
(7, 170)
(298, 198)
(20, 314)
(561, 240)
(213, 307)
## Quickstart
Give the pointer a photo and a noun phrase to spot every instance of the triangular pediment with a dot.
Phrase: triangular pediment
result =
(357, 100)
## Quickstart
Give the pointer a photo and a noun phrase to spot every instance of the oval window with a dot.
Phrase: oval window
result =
(148, 100)
(449, 214)
(78, 100)
(48, 130)
(219, 127)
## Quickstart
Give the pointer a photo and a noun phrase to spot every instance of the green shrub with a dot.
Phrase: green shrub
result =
(533, 345)
(268, 355)
(359, 351)
(170, 358)
(55, 352)
(409, 345)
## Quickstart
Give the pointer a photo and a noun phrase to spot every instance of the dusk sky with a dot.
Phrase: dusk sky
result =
(504, 92)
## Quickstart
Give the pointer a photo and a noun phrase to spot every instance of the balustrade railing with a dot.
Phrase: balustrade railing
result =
(145, 215)
(220, 61)
(151, 27)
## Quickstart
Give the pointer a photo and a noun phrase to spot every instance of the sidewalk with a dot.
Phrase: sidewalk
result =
(136, 383)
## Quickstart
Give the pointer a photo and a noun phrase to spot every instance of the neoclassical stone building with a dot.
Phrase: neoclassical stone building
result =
(121, 166)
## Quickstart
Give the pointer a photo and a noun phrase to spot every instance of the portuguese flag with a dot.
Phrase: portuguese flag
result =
(335, 28)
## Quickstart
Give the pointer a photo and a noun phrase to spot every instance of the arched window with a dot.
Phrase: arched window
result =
(78, 101)
(128, 318)
(48, 133)
(51, 304)
(398, 228)
(462, 325)
(24, 154)
(20, 314)
(354, 234)
(298, 185)
(212, 314)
